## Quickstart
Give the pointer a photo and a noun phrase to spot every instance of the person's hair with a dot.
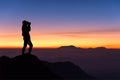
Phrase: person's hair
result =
(26, 22)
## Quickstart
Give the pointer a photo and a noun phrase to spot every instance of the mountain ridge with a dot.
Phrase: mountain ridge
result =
(30, 67)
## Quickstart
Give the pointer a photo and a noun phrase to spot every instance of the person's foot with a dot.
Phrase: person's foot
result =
(29, 53)
(23, 53)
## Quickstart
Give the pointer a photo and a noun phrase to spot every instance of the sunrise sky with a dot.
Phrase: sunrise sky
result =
(83, 23)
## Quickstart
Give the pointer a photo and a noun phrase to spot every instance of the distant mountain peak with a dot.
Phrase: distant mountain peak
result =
(68, 47)
(100, 48)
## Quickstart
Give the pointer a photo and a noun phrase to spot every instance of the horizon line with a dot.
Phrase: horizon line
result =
(19, 47)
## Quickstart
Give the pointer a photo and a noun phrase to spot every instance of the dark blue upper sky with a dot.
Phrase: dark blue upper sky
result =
(62, 13)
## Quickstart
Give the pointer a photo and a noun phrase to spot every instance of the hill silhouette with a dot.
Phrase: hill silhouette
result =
(71, 47)
(30, 67)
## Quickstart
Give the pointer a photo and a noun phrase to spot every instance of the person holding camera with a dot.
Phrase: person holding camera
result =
(26, 36)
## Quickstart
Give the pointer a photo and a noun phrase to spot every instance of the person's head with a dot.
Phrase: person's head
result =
(24, 22)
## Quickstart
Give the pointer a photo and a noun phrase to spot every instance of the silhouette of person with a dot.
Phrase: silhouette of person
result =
(26, 36)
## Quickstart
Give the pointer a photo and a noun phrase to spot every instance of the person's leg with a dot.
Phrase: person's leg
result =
(24, 47)
(30, 47)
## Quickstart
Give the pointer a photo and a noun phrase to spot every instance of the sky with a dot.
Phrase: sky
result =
(55, 23)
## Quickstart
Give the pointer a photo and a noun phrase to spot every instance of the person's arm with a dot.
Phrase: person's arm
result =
(29, 28)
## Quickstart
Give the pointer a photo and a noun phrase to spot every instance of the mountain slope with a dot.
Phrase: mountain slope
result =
(30, 67)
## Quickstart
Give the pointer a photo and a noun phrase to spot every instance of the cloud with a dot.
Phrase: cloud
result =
(97, 33)
(90, 31)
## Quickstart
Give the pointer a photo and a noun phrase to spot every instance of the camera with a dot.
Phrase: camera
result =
(29, 23)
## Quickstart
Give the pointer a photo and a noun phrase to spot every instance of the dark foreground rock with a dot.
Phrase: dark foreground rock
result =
(30, 67)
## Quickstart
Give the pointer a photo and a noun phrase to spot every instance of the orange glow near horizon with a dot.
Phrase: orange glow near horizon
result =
(111, 40)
